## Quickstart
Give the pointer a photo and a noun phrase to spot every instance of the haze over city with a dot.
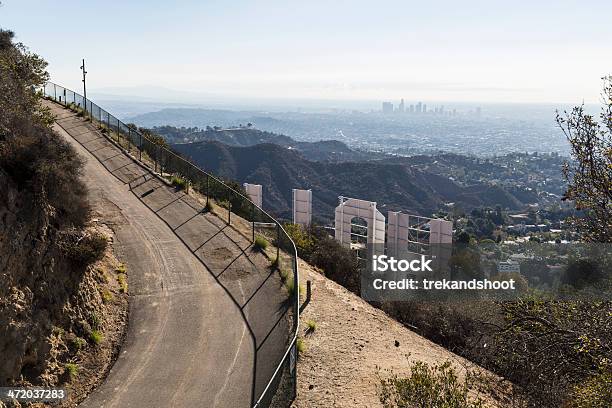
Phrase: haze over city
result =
(474, 51)
(305, 204)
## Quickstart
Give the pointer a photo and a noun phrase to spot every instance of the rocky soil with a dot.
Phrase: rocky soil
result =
(354, 345)
(62, 321)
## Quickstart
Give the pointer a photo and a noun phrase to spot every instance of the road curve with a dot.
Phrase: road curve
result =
(187, 343)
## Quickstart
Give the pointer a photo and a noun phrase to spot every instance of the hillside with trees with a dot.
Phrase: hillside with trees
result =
(55, 298)
(398, 184)
(247, 135)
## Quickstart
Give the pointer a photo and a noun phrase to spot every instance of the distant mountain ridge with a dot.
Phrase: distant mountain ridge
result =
(394, 184)
(246, 135)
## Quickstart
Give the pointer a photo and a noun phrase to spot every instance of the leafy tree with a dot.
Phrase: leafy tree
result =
(589, 174)
(31, 154)
(337, 262)
(583, 272)
(20, 73)
(154, 137)
(549, 347)
(463, 238)
(303, 239)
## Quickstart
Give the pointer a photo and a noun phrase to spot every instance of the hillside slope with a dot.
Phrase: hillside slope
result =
(354, 344)
(62, 313)
(394, 185)
(244, 136)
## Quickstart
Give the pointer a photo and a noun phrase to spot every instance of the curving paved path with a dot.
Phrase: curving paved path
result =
(187, 343)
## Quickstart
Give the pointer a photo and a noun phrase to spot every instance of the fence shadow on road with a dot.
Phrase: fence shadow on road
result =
(262, 283)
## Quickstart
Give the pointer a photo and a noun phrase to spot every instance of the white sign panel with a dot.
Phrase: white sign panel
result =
(351, 208)
(302, 207)
(405, 230)
(441, 232)
(254, 191)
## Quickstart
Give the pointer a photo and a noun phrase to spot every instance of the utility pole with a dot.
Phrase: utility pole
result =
(84, 86)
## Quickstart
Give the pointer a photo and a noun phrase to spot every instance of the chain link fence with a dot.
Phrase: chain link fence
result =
(270, 305)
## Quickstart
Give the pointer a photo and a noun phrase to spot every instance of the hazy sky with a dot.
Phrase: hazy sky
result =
(437, 50)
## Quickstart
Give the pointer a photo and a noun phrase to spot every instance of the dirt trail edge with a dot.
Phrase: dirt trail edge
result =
(187, 343)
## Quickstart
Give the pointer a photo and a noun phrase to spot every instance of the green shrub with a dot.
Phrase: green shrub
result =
(107, 296)
(260, 244)
(78, 343)
(58, 331)
(427, 387)
(83, 249)
(303, 239)
(94, 320)
(101, 275)
(72, 370)
(122, 280)
(311, 326)
(596, 392)
(224, 204)
(275, 262)
(300, 344)
(338, 263)
(180, 183)
(284, 275)
(121, 268)
(290, 285)
(95, 336)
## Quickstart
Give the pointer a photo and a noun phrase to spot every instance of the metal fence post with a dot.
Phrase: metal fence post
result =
(229, 206)
(207, 188)
(253, 218)
(139, 146)
(54, 92)
(162, 160)
(277, 241)
(159, 159)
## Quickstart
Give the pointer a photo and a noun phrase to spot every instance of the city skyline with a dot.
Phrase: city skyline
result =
(388, 107)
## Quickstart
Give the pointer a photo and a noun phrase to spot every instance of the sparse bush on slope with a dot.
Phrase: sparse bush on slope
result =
(428, 387)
